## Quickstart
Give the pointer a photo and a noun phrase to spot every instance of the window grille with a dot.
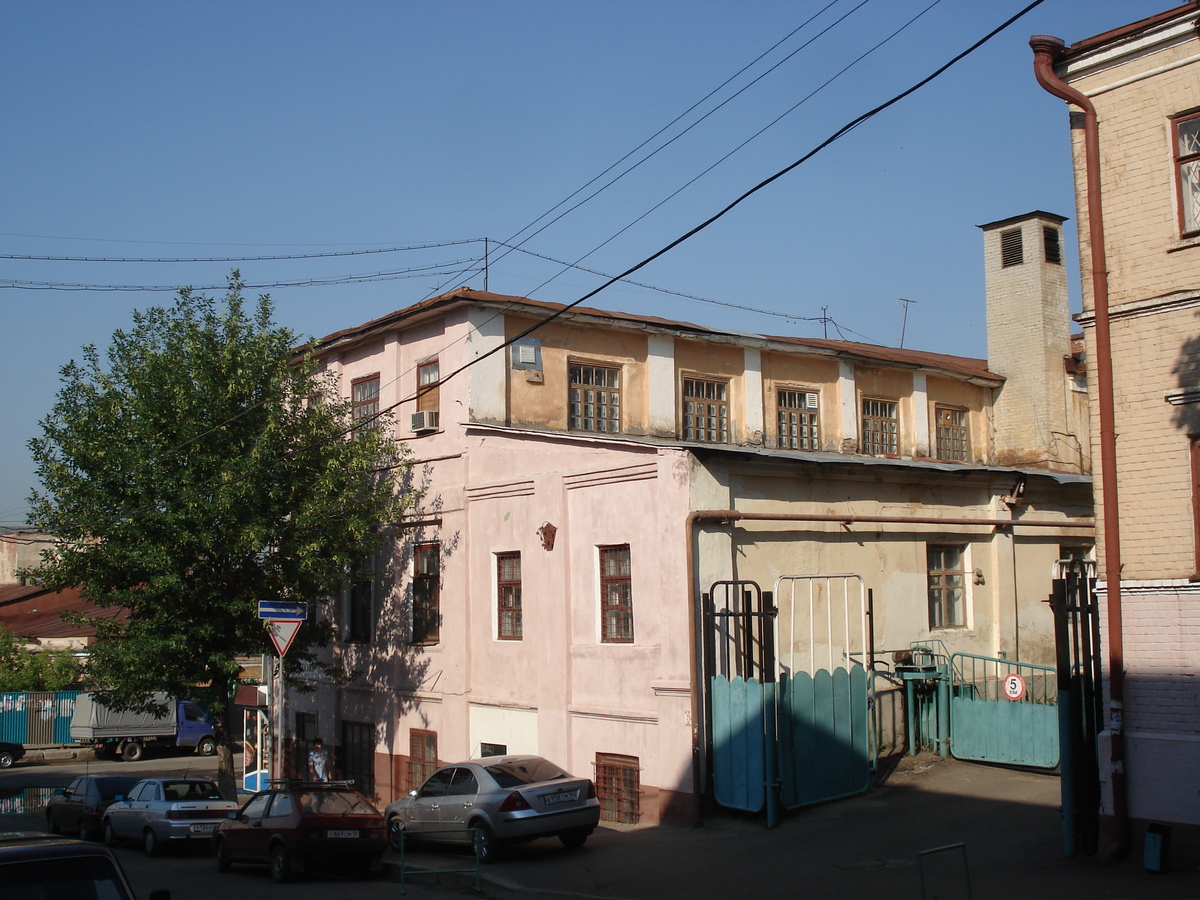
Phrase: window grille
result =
(508, 584)
(705, 411)
(594, 399)
(358, 755)
(880, 427)
(1187, 171)
(616, 595)
(618, 787)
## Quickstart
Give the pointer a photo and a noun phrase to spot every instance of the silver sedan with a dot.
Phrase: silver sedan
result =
(496, 800)
(160, 810)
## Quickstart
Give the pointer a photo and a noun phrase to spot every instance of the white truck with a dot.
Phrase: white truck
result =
(129, 733)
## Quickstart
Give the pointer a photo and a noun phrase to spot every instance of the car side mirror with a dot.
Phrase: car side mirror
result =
(117, 798)
(61, 792)
(413, 793)
(235, 814)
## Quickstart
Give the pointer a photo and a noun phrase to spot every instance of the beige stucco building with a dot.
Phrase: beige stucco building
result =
(590, 476)
(1143, 82)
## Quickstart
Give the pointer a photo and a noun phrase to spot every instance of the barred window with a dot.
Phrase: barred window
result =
(797, 420)
(705, 411)
(508, 584)
(880, 427)
(616, 595)
(1187, 171)
(618, 787)
(951, 433)
(946, 607)
(594, 399)
(364, 393)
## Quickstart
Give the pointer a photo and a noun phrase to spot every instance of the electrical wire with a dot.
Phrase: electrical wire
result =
(224, 259)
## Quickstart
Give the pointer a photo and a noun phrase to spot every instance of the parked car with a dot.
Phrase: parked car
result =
(160, 810)
(496, 800)
(295, 824)
(37, 866)
(10, 753)
(80, 806)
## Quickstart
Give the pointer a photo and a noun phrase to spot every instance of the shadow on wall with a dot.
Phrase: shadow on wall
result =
(1187, 378)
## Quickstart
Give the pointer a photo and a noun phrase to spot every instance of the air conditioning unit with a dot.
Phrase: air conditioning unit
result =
(425, 421)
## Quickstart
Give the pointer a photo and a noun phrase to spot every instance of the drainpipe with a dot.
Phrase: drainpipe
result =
(1045, 50)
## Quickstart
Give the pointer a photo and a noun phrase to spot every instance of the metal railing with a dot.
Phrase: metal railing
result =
(473, 870)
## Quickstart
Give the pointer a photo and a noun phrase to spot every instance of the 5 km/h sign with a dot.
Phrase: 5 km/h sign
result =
(284, 618)
(1014, 686)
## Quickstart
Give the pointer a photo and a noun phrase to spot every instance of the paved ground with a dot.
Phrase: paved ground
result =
(862, 847)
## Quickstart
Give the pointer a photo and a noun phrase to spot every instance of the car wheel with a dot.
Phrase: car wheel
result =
(150, 843)
(206, 747)
(89, 829)
(281, 865)
(396, 834)
(110, 836)
(484, 843)
(224, 863)
(574, 839)
(6, 759)
(131, 752)
(52, 825)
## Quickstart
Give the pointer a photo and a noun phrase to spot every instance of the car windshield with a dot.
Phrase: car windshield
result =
(334, 803)
(526, 771)
(191, 790)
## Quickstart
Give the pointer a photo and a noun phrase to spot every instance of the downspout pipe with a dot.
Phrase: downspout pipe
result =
(1045, 50)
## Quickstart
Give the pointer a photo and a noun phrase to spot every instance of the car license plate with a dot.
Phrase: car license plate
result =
(204, 828)
(342, 832)
(560, 797)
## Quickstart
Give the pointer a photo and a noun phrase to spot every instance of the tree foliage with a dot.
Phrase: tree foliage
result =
(199, 466)
(22, 669)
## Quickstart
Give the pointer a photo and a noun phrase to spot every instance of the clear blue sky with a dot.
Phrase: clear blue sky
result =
(137, 130)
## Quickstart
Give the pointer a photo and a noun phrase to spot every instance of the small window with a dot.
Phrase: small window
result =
(508, 592)
(946, 586)
(364, 394)
(357, 755)
(951, 433)
(427, 386)
(1051, 239)
(594, 399)
(360, 604)
(422, 756)
(618, 787)
(1012, 248)
(797, 420)
(705, 411)
(1187, 171)
(426, 617)
(616, 596)
(486, 749)
(880, 427)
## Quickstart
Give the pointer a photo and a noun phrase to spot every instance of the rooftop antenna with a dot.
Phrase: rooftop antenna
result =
(904, 323)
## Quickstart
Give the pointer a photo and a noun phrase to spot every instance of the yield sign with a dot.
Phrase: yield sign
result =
(283, 632)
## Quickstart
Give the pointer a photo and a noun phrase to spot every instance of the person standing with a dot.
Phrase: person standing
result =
(318, 762)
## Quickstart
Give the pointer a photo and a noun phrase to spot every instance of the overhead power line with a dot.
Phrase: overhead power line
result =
(198, 259)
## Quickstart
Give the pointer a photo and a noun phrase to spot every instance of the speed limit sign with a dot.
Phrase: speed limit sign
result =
(1014, 686)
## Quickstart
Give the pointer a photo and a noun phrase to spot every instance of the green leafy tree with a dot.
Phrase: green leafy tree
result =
(22, 669)
(200, 466)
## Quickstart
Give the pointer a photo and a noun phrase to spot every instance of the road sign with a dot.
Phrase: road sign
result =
(282, 609)
(283, 632)
(1014, 686)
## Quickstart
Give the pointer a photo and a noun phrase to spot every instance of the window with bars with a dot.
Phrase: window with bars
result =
(364, 394)
(797, 419)
(616, 596)
(594, 398)
(705, 411)
(358, 755)
(1187, 171)
(508, 594)
(618, 787)
(426, 614)
(946, 585)
(427, 386)
(951, 429)
(880, 427)
(422, 756)
(1012, 248)
(1052, 243)
(360, 604)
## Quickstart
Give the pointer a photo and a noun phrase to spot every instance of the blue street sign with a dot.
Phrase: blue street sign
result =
(282, 609)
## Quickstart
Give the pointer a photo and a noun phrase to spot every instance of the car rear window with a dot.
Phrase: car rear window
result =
(191, 790)
(527, 771)
(334, 803)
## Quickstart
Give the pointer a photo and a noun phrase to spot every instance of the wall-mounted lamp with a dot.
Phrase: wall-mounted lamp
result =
(1017, 496)
(546, 532)
(977, 577)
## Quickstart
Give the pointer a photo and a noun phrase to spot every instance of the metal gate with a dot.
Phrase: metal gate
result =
(1003, 711)
(794, 730)
(39, 718)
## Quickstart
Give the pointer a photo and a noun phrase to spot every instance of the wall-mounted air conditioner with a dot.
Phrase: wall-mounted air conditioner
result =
(425, 421)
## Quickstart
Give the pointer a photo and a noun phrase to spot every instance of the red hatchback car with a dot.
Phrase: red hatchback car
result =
(293, 824)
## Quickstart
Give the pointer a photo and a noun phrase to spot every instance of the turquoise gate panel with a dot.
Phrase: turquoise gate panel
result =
(36, 718)
(738, 742)
(988, 724)
(824, 736)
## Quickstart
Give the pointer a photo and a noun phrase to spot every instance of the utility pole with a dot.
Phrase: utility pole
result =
(825, 321)
(904, 323)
